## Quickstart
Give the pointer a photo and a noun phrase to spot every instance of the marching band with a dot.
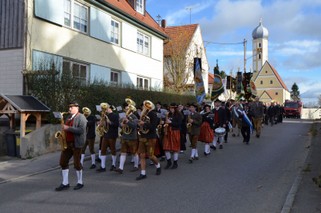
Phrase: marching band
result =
(144, 133)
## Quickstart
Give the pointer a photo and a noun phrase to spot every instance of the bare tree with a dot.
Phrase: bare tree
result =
(178, 63)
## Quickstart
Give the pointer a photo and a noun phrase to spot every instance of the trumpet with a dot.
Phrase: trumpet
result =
(103, 128)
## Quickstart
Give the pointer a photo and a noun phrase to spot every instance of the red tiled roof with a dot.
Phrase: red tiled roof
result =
(210, 78)
(179, 38)
(146, 19)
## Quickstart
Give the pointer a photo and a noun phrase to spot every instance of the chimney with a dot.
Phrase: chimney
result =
(163, 24)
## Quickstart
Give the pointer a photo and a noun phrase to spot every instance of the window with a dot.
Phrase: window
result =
(114, 77)
(140, 6)
(76, 15)
(142, 43)
(142, 83)
(271, 81)
(265, 71)
(260, 45)
(276, 93)
(259, 56)
(114, 38)
(261, 82)
(75, 70)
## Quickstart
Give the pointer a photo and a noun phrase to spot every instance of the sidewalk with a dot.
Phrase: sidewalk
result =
(12, 168)
(308, 196)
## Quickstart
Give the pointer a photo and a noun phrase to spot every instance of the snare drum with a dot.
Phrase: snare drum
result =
(219, 132)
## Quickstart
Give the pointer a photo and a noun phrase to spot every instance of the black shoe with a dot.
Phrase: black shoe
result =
(190, 160)
(78, 186)
(112, 168)
(221, 147)
(141, 177)
(98, 160)
(101, 169)
(175, 165)
(257, 136)
(247, 143)
(158, 171)
(196, 158)
(120, 171)
(169, 164)
(92, 166)
(315, 180)
(62, 187)
(134, 169)
(213, 147)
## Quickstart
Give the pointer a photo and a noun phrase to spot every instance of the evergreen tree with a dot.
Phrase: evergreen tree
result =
(295, 93)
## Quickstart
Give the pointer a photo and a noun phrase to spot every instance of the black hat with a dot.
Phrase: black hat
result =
(194, 104)
(73, 103)
(173, 105)
(206, 105)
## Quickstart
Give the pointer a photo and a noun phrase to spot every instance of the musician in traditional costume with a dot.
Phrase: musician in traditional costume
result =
(90, 137)
(194, 122)
(257, 113)
(183, 129)
(171, 141)
(207, 134)
(226, 107)
(247, 126)
(219, 122)
(111, 123)
(147, 138)
(75, 136)
(129, 139)
(236, 122)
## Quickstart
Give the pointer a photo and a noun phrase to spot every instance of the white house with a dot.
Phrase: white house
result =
(186, 39)
(114, 41)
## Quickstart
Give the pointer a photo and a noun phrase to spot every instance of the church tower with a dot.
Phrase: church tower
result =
(259, 47)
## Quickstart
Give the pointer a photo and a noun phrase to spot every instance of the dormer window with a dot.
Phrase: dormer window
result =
(140, 6)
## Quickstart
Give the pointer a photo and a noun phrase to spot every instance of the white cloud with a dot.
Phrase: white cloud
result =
(176, 17)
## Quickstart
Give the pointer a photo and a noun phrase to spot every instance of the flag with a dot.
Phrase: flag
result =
(217, 87)
(239, 86)
(198, 78)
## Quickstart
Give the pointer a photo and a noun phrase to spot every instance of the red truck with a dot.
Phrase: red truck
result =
(292, 109)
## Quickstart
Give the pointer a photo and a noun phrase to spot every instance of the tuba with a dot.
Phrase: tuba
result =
(147, 107)
(125, 128)
(103, 128)
(61, 135)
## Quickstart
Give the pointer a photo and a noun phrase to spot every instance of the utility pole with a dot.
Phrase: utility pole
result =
(244, 44)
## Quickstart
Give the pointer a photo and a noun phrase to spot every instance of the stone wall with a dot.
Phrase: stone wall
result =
(39, 142)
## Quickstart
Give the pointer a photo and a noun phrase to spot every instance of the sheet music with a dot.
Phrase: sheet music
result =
(57, 115)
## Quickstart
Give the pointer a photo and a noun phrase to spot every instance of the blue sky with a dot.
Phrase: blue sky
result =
(294, 35)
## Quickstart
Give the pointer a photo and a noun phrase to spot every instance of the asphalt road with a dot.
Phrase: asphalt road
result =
(239, 178)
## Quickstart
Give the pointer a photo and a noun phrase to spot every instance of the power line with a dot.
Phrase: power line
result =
(224, 43)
